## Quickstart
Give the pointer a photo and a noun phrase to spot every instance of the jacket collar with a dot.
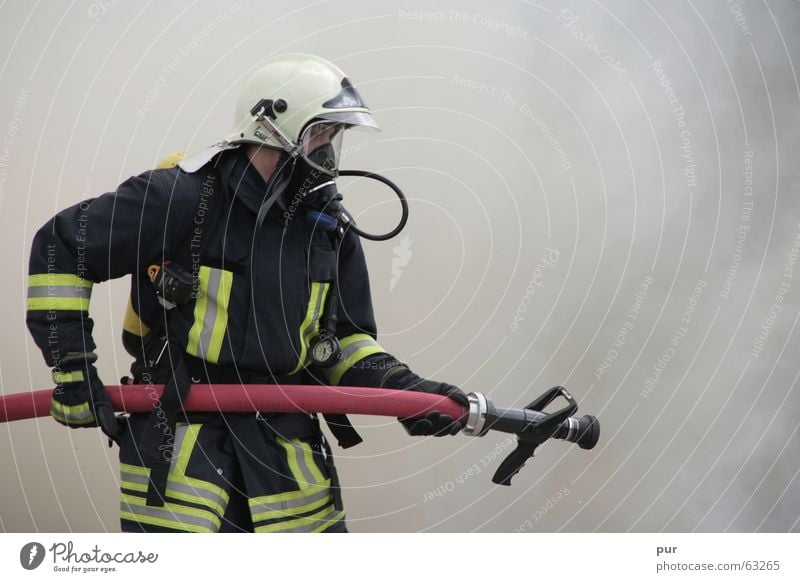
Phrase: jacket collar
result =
(242, 181)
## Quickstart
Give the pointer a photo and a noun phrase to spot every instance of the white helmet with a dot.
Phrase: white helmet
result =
(289, 94)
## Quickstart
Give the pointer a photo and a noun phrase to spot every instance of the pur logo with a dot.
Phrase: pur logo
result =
(31, 555)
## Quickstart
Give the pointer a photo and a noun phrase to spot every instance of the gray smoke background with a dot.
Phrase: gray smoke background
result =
(604, 195)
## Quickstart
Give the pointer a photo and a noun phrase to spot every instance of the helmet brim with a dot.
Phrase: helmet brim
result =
(352, 118)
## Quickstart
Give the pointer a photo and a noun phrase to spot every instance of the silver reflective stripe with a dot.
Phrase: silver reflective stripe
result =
(290, 503)
(181, 487)
(307, 527)
(217, 500)
(214, 278)
(177, 445)
(301, 463)
(317, 308)
(355, 346)
(60, 291)
(134, 478)
(149, 511)
(73, 416)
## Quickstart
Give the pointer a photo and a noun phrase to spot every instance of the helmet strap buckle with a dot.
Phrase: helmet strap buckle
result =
(263, 113)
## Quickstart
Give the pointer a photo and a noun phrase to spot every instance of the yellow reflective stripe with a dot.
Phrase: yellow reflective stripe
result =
(79, 414)
(188, 440)
(178, 486)
(171, 515)
(187, 489)
(196, 483)
(200, 306)
(48, 291)
(132, 323)
(204, 485)
(287, 496)
(66, 303)
(357, 356)
(135, 469)
(185, 441)
(65, 377)
(308, 457)
(58, 279)
(290, 509)
(314, 487)
(210, 314)
(301, 463)
(221, 321)
(134, 485)
(315, 522)
(354, 348)
(310, 326)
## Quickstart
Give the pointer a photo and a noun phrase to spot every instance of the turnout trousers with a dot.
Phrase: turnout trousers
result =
(235, 473)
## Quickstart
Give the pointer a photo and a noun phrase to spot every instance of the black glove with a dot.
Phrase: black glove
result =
(434, 423)
(80, 399)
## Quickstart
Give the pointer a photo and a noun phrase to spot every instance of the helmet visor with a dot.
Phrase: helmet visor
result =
(321, 145)
(357, 119)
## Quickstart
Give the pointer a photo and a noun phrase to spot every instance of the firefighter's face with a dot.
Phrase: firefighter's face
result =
(321, 145)
(319, 135)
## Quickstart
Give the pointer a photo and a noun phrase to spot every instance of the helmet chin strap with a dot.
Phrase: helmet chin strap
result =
(276, 186)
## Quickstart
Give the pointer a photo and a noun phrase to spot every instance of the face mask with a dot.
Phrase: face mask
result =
(306, 178)
(324, 157)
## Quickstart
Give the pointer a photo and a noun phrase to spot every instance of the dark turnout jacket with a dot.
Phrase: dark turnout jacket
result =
(259, 290)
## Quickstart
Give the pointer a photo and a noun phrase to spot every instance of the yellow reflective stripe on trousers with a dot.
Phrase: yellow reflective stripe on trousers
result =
(210, 314)
(314, 492)
(58, 291)
(291, 507)
(180, 484)
(354, 348)
(316, 522)
(170, 515)
(310, 326)
(179, 488)
(182, 488)
(301, 462)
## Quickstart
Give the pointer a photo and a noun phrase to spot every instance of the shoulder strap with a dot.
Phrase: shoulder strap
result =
(204, 217)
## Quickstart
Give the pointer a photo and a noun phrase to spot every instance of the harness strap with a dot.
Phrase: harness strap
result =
(341, 428)
(158, 437)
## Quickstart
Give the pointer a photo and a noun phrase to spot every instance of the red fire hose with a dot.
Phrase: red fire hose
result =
(532, 424)
(253, 398)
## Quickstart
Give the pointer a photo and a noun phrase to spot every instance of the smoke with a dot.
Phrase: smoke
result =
(652, 144)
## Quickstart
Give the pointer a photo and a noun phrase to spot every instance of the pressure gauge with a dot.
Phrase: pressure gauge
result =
(324, 351)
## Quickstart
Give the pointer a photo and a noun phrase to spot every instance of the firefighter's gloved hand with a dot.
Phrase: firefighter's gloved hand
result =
(80, 399)
(435, 423)
(399, 377)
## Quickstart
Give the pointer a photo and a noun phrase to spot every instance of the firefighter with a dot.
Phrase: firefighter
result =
(240, 273)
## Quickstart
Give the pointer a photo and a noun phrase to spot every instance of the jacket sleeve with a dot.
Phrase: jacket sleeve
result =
(356, 328)
(101, 238)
